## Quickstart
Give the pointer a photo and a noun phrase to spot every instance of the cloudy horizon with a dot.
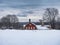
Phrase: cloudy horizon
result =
(26, 7)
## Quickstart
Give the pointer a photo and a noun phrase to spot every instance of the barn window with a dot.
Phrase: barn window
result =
(33, 27)
(29, 28)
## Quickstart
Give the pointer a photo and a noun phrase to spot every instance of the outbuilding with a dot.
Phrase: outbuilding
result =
(30, 26)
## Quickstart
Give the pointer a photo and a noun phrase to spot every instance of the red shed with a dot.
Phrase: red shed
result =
(30, 26)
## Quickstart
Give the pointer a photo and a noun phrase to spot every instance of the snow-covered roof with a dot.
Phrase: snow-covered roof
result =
(39, 27)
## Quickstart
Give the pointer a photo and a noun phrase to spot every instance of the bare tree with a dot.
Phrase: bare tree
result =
(4, 19)
(9, 20)
(12, 18)
(50, 15)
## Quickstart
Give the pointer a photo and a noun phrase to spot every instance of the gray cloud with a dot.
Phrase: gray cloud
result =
(28, 3)
(27, 6)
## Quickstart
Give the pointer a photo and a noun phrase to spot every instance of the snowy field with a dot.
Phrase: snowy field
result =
(28, 37)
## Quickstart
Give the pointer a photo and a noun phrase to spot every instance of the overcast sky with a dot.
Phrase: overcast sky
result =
(26, 7)
(28, 3)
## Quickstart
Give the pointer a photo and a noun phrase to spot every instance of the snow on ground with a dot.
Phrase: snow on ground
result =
(28, 37)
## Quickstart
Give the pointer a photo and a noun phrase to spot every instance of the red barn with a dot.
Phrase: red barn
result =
(30, 26)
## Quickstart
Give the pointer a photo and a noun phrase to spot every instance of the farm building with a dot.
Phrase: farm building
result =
(30, 26)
